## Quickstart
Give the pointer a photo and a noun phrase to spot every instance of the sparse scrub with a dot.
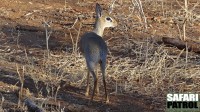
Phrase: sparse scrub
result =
(47, 34)
(155, 73)
(2, 101)
(21, 74)
(137, 63)
(188, 15)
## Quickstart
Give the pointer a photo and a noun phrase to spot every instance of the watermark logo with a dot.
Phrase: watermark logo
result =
(183, 102)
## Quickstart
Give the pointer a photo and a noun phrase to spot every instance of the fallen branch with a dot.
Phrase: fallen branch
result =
(28, 28)
(32, 107)
(191, 45)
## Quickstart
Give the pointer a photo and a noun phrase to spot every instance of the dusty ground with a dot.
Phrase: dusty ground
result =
(23, 54)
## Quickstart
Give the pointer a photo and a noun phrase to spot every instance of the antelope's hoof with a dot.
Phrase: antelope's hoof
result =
(87, 94)
(107, 101)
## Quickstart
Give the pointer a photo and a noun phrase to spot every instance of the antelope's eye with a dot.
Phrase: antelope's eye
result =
(109, 19)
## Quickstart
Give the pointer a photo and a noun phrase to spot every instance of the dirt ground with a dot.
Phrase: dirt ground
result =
(23, 53)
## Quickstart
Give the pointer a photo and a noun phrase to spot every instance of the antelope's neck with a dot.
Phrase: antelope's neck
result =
(98, 29)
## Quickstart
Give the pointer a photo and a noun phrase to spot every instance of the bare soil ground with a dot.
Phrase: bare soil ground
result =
(141, 70)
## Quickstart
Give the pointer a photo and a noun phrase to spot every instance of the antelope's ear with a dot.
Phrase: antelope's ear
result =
(98, 10)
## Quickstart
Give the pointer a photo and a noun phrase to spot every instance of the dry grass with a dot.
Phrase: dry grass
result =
(144, 66)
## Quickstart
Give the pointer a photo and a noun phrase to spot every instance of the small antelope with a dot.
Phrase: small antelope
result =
(95, 49)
